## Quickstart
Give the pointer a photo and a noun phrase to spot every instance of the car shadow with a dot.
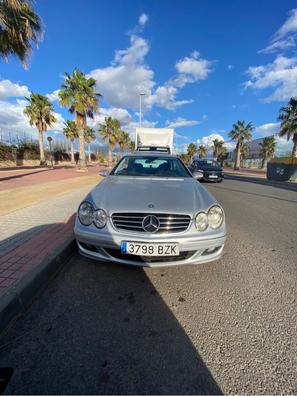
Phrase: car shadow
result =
(22, 175)
(18, 239)
(256, 194)
(103, 329)
(277, 184)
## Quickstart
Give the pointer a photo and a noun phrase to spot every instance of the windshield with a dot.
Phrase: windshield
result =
(150, 166)
(207, 163)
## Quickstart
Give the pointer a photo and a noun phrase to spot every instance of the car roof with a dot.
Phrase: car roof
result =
(150, 154)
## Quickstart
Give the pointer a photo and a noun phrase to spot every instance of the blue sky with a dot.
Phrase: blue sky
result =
(203, 64)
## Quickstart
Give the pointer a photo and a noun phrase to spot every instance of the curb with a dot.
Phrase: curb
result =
(17, 300)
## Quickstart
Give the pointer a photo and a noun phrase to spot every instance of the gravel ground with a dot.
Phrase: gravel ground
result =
(224, 327)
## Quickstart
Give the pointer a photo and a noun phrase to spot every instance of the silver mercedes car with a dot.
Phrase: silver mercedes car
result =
(150, 211)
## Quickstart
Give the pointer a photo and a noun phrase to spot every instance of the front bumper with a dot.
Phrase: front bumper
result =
(105, 245)
(208, 176)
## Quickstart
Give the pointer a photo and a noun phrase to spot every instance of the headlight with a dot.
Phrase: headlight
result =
(201, 221)
(215, 217)
(86, 213)
(100, 218)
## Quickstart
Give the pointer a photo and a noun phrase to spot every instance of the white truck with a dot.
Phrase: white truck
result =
(154, 139)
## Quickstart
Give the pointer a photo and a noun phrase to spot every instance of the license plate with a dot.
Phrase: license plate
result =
(150, 249)
(212, 176)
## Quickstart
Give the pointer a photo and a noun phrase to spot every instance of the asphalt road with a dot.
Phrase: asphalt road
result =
(224, 327)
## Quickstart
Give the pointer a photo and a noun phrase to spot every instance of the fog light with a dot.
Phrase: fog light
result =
(211, 250)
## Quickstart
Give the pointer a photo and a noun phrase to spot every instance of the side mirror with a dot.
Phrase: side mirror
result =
(198, 175)
(104, 173)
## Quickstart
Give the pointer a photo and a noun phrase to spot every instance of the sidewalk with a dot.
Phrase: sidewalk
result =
(19, 262)
(43, 223)
(246, 172)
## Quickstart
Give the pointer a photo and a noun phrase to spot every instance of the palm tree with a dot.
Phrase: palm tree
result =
(41, 114)
(217, 148)
(20, 27)
(185, 158)
(110, 132)
(223, 155)
(131, 146)
(288, 127)
(244, 152)
(90, 136)
(268, 147)
(71, 132)
(241, 132)
(78, 94)
(191, 150)
(123, 140)
(202, 151)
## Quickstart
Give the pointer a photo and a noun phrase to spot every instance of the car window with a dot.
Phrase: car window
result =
(151, 166)
(206, 163)
(154, 148)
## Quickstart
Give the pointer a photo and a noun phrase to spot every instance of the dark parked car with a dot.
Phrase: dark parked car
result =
(209, 170)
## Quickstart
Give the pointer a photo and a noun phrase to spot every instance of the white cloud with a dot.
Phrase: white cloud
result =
(280, 76)
(59, 124)
(279, 45)
(128, 75)
(283, 145)
(123, 116)
(182, 122)
(120, 114)
(179, 136)
(192, 69)
(54, 96)
(230, 67)
(180, 148)
(9, 89)
(208, 141)
(143, 19)
(13, 120)
(290, 26)
(285, 37)
(267, 129)
(121, 83)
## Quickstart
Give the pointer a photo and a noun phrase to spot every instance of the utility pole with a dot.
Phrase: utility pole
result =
(140, 98)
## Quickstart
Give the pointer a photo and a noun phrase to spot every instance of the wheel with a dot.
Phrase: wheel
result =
(220, 180)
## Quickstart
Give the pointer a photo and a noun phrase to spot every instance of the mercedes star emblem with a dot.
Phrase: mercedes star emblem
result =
(151, 224)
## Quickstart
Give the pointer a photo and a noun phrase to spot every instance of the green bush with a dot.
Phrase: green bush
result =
(28, 151)
(59, 155)
(7, 152)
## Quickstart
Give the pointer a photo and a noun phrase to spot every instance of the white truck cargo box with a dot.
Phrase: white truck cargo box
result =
(154, 137)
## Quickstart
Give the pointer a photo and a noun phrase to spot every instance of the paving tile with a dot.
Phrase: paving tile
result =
(29, 234)
(8, 282)
(22, 225)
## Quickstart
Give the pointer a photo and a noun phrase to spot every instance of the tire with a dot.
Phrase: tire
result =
(220, 180)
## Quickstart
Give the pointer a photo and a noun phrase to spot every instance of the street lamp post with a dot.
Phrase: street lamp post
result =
(140, 98)
(49, 139)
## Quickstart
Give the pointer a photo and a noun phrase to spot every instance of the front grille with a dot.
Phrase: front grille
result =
(169, 223)
(209, 173)
(117, 254)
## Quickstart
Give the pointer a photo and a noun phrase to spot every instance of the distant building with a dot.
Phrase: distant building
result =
(254, 159)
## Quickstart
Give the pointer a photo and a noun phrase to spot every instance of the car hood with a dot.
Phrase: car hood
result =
(128, 194)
